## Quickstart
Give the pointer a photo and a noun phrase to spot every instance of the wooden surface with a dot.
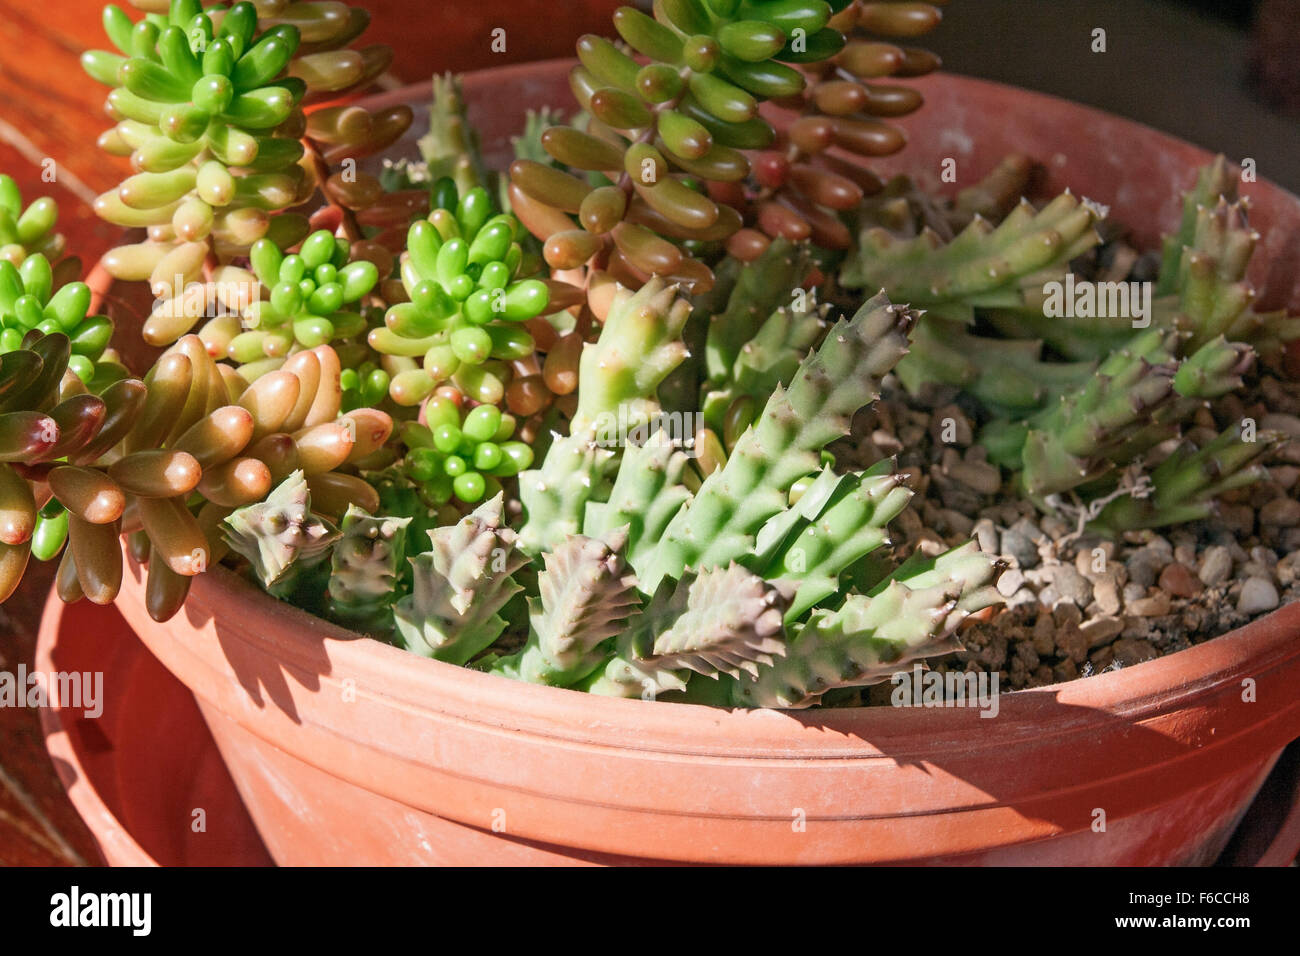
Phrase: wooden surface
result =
(49, 110)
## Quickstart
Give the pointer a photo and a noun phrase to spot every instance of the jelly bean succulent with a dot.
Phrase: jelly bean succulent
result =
(314, 297)
(210, 110)
(462, 452)
(163, 459)
(28, 230)
(467, 302)
(29, 306)
(662, 170)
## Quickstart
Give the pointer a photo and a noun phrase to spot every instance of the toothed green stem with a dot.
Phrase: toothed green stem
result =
(836, 522)
(763, 286)
(723, 621)
(718, 526)
(1007, 375)
(1087, 338)
(732, 624)
(680, 390)
(1067, 445)
(627, 673)
(555, 496)
(767, 360)
(280, 534)
(647, 492)
(586, 595)
(617, 379)
(459, 586)
(1212, 291)
(1184, 485)
(638, 346)
(451, 147)
(1214, 369)
(912, 615)
(365, 571)
(982, 266)
(1212, 183)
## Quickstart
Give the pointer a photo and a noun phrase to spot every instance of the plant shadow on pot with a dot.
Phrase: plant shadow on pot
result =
(1152, 764)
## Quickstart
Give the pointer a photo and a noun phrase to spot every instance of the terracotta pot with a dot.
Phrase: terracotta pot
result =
(347, 751)
(137, 772)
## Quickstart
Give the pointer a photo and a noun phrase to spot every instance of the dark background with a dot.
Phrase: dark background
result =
(1219, 73)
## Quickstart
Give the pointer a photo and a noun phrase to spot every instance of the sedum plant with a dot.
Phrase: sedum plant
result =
(663, 168)
(29, 305)
(163, 459)
(466, 302)
(28, 230)
(209, 104)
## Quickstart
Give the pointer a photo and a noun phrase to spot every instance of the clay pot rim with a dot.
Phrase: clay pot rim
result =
(296, 638)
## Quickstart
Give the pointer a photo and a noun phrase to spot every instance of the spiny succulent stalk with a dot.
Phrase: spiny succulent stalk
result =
(984, 266)
(280, 534)
(1213, 183)
(585, 596)
(1009, 376)
(755, 342)
(1213, 297)
(132, 458)
(467, 303)
(619, 375)
(1215, 369)
(837, 521)
(732, 624)
(366, 570)
(451, 148)
(1093, 427)
(398, 495)
(1201, 291)
(770, 358)
(1185, 485)
(647, 491)
(1068, 443)
(770, 282)
(209, 106)
(719, 525)
(905, 210)
(555, 496)
(29, 304)
(912, 615)
(668, 138)
(721, 621)
(460, 585)
(639, 345)
(30, 230)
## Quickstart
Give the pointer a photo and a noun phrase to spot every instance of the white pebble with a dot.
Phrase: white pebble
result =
(1257, 596)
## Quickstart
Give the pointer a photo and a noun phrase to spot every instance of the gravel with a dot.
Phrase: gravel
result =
(1216, 566)
(1257, 596)
(1077, 605)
